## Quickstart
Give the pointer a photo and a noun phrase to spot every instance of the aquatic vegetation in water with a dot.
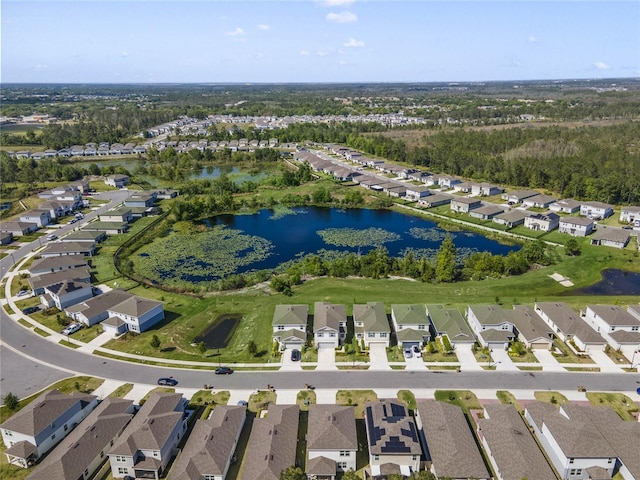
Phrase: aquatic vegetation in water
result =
(197, 257)
(351, 237)
(429, 234)
(280, 211)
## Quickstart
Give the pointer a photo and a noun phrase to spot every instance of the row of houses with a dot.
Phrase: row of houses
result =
(489, 325)
(580, 442)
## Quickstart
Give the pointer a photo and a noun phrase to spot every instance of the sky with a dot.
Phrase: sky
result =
(316, 41)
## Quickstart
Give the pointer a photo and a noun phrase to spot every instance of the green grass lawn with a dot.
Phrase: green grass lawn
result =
(463, 398)
(555, 398)
(508, 399)
(623, 405)
(356, 399)
(408, 398)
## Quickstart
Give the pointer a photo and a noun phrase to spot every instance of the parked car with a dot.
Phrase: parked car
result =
(295, 355)
(30, 310)
(73, 328)
(243, 403)
(416, 351)
(51, 237)
(23, 293)
(407, 353)
(223, 371)
(169, 382)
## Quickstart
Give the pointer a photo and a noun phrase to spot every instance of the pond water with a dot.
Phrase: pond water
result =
(614, 282)
(296, 233)
(218, 334)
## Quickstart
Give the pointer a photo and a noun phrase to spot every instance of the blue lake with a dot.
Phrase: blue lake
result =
(614, 282)
(296, 234)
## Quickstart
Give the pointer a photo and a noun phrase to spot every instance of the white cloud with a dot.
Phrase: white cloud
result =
(322, 53)
(342, 17)
(336, 3)
(258, 56)
(238, 32)
(124, 54)
(533, 39)
(343, 62)
(353, 43)
(264, 27)
(41, 67)
(305, 53)
(601, 66)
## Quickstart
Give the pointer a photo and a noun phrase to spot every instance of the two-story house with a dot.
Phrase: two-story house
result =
(66, 293)
(392, 438)
(567, 325)
(135, 314)
(567, 205)
(117, 181)
(464, 204)
(544, 222)
(94, 310)
(371, 324)
(289, 325)
(42, 424)
(576, 226)
(211, 446)
(329, 324)
(596, 210)
(618, 326)
(151, 439)
(411, 325)
(491, 325)
(332, 441)
(449, 322)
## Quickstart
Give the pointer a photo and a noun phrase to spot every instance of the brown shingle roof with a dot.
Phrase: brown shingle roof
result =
(331, 427)
(328, 315)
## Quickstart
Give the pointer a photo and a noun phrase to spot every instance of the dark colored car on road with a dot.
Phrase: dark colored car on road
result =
(223, 371)
(169, 382)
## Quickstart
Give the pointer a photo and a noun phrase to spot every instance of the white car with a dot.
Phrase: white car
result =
(73, 328)
(23, 293)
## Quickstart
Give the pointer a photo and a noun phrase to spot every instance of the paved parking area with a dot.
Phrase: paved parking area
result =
(287, 363)
(605, 363)
(548, 361)
(503, 360)
(466, 358)
(415, 363)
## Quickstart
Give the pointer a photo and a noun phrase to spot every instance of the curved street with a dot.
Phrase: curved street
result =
(30, 362)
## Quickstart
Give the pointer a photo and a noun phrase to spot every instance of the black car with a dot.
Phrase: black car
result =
(30, 310)
(223, 371)
(169, 382)
(295, 355)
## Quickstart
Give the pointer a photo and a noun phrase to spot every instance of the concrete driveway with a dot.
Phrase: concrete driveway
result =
(378, 357)
(287, 363)
(548, 361)
(503, 360)
(466, 358)
(326, 359)
(605, 363)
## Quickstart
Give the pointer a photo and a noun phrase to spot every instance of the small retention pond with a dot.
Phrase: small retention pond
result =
(219, 333)
(614, 282)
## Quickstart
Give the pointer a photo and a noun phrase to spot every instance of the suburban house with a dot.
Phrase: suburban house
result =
(435, 200)
(576, 226)
(332, 440)
(117, 181)
(449, 322)
(411, 325)
(571, 440)
(567, 205)
(392, 438)
(18, 229)
(538, 201)
(151, 439)
(59, 249)
(290, 325)
(94, 310)
(448, 442)
(569, 327)
(532, 331)
(464, 204)
(518, 196)
(87, 236)
(272, 443)
(134, 314)
(510, 447)
(39, 282)
(544, 222)
(511, 218)
(57, 209)
(120, 215)
(611, 237)
(486, 212)
(485, 189)
(630, 215)
(56, 264)
(619, 327)
(415, 193)
(371, 323)
(140, 200)
(42, 424)
(41, 218)
(84, 450)
(211, 446)
(596, 210)
(66, 293)
(491, 325)
(110, 228)
(329, 324)
(447, 182)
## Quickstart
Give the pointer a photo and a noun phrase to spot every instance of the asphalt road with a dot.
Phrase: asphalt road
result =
(30, 363)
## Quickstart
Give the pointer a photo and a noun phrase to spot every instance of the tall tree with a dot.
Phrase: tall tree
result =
(446, 261)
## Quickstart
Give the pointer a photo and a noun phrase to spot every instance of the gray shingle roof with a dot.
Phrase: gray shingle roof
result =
(451, 322)
(290, 315)
(450, 442)
(373, 317)
(569, 322)
(331, 427)
(135, 306)
(57, 263)
(512, 446)
(390, 429)
(210, 445)
(328, 315)
(84, 444)
(272, 443)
